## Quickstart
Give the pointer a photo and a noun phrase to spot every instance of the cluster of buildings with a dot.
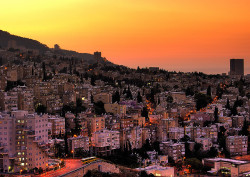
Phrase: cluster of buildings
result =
(29, 139)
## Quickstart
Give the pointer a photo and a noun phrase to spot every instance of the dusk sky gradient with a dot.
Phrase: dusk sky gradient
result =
(181, 35)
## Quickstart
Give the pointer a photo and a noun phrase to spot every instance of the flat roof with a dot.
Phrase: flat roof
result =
(238, 162)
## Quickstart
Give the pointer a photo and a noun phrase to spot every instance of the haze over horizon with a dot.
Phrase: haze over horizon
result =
(182, 36)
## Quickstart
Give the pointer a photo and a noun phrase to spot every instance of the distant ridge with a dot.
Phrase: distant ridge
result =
(27, 43)
(5, 37)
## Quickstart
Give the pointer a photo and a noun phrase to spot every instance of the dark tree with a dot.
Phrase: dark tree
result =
(124, 91)
(93, 79)
(129, 94)
(41, 109)
(209, 91)
(44, 72)
(170, 99)
(244, 130)
(212, 152)
(189, 91)
(77, 129)
(228, 104)
(202, 100)
(79, 107)
(144, 112)
(194, 164)
(99, 108)
(234, 111)
(66, 143)
(139, 97)
(219, 91)
(248, 95)
(188, 152)
(92, 98)
(116, 97)
(216, 117)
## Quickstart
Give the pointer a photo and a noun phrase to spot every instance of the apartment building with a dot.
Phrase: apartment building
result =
(80, 142)
(103, 97)
(58, 125)
(237, 145)
(234, 168)
(8, 101)
(105, 142)
(25, 98)
(174, 150)
(176, 133)
(205, 142)
(115, 109)
(24, 141)
(96, 123)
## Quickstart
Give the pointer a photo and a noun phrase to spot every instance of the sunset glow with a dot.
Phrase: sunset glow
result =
(175, 35)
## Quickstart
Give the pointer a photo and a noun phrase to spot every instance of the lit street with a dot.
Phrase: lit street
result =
(71, 164)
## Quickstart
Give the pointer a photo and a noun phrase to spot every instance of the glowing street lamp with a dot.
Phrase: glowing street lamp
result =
(73, 153)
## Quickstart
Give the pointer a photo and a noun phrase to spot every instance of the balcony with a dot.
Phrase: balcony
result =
(31, 133)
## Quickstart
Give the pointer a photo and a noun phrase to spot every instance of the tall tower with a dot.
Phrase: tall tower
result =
(237, 67)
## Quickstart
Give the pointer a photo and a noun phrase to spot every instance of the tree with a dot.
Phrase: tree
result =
(99, 108)
(40, 170)
(66, 148)
(209, 91)
(189, 91)
(188, 152)
(202, 100)
(129, 94)
(244, 130)
(139, 97)
(41, 109)
(212, 152)
(234, 110)
(228, 104)
(79, 107)
(144, 112)
(216, 117)
(219, 91)
(248, 95)
(194, 163)
(58, 150)
(116, 97)
(186, 138)
(92, 98)
(197, 148)
(92, 81)
(159, 100)
(124, 91)
(170, 99)
(44, 72)
(77, 129)
(222, 140)
(241, 90)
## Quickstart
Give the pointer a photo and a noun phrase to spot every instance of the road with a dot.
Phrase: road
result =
(71, 164)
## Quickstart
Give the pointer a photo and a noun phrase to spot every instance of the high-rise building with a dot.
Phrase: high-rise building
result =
(236, 66)
(23, 140)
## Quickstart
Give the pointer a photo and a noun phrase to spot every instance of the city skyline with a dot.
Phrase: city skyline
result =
(180, 36)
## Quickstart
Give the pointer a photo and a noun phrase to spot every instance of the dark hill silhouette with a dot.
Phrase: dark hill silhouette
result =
(5, 37)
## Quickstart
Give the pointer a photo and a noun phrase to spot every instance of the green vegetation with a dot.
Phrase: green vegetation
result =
(202, 100)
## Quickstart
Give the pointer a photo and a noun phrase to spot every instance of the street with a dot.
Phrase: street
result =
(71, 164)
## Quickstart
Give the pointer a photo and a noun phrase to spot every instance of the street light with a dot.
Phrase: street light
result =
(73, 153)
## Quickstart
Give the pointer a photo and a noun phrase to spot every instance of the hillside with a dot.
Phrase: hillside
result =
(5, 37)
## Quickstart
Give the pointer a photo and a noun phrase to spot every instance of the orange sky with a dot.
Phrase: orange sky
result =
(182, 35)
